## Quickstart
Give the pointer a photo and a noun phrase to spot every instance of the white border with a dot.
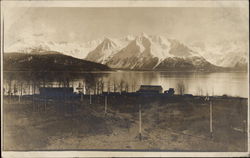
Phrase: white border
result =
(1, 74)
(123, 154)
(130, 3)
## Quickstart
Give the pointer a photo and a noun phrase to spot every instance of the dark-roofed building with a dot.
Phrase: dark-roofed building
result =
(56, 91)
(150, 89)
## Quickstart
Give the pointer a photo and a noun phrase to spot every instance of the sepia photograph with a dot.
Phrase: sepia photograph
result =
(130, 76)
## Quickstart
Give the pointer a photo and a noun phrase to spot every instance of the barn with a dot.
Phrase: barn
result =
(150, 89)
(56, 91)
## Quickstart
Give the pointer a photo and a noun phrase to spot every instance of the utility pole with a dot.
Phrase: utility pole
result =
(19, 96)
(90, 99)
(21, 89)
(243, 123)
(140, 136)
(81, 97)
(106, 104)
(45, 102)
(210, 115)
(211, 119)
(33, 95)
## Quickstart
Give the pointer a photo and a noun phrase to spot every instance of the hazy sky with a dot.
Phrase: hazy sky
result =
(83, 24)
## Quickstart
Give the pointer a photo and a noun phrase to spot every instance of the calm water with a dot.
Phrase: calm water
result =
(230, 83)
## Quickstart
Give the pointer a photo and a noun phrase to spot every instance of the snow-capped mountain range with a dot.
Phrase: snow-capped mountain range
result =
(145, 52)
(139, 52)
(225, 54)
(36, 44)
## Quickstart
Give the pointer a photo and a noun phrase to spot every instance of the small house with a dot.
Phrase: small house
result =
(151, 89)
(56, 91)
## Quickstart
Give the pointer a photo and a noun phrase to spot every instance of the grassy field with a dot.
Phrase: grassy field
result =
(177, 124)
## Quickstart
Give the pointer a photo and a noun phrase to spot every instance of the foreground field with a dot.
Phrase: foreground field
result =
(180, 124)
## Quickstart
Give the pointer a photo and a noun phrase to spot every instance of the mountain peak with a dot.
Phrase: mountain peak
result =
(143, 34)
(107, 39)
(129, 38)
(107, 44)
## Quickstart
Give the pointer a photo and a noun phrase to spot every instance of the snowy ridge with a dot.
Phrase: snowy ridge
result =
(105, 50)
(141, 51)
(224, 54)
(36, 44)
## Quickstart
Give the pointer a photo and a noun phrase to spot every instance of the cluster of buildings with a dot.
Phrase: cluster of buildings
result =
(143, 90)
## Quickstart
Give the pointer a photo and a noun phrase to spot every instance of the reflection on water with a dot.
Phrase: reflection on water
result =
(230, 83)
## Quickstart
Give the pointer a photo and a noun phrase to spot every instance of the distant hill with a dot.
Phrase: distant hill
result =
(187, 64)
(48, 61)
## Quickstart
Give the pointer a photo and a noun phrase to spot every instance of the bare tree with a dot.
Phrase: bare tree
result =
(126, 87)
(114, 86)
(199, 91)
(15, 89)
(121, 86)
(102, 85)
(181, 87)
(90, 82)
(21, 90)
(10, 88)
(133, 86)
(97, 87)
(33, 94)
(108, 86)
